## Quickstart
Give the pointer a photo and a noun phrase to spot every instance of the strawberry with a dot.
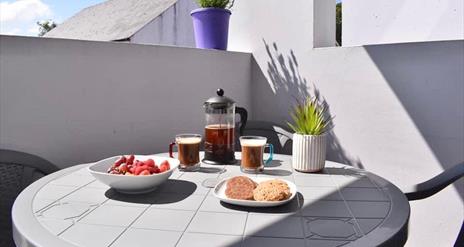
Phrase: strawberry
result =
(139, 169)
(153, 170)
(120, 161)
(165, 166)
(149, 163)
(130, 160)
(145, 172)
(123, 168)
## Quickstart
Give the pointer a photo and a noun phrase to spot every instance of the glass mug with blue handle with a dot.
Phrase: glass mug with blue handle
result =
(253, 152)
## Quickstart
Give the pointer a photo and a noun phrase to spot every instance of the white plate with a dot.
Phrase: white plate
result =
(220, 189)
(132, 184)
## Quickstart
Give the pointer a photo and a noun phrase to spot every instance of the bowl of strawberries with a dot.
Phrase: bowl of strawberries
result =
(134, 174)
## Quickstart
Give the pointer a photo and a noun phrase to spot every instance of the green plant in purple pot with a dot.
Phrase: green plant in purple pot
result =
(211, 23)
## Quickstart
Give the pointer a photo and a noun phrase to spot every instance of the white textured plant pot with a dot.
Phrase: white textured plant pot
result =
(308, 152)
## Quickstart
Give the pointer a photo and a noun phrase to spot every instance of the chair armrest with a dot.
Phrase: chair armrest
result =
(436, 184)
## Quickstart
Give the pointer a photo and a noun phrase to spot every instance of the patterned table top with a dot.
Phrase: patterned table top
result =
(340, 206)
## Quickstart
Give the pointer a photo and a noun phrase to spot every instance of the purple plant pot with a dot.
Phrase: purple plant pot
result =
(211, 27)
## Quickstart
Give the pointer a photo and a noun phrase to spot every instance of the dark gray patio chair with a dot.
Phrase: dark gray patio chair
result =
(433, 186)
(17, 171)
(279, 136)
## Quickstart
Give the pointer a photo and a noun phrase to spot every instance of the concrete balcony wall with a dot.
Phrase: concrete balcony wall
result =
(77, 101)
(398, 108)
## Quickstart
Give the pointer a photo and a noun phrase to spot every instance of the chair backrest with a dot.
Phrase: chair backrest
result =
(279, 136)
(436, 184)
(17, 171)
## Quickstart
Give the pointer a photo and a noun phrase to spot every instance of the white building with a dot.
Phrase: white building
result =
(397, 21)
(165, 22)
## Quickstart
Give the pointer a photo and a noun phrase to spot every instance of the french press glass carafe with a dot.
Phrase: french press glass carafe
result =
(220, 128)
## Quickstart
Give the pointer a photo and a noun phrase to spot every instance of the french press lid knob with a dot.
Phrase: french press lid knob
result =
(220, 92)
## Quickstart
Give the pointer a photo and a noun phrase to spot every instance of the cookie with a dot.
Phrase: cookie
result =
(240, 187)
(272, 190)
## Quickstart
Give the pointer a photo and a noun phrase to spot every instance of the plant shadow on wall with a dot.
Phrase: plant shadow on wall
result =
(289, 86)
(427, 79)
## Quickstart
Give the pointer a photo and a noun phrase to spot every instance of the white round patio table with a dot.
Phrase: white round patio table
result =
(339, 206)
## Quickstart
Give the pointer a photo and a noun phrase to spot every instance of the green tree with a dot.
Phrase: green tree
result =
(338, 21)
(45, 26)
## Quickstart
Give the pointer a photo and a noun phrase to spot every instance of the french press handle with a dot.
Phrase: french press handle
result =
(243, 118)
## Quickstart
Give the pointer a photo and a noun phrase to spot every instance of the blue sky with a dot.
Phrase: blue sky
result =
(19, 17)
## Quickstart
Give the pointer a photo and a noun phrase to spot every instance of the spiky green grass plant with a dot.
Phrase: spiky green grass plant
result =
(222, 4)
(310, 118)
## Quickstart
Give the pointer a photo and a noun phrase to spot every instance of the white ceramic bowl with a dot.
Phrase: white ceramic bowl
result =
(132, 184)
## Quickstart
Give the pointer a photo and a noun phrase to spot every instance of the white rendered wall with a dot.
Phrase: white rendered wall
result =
(173, 27)
(80, 101)
(398, 108)
(395, 21)
(310, 17)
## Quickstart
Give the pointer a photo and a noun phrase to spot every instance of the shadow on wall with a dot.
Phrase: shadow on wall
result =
(428, 80)
(287, 84)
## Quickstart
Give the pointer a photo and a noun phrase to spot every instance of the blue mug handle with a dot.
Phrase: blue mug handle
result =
(271, 153)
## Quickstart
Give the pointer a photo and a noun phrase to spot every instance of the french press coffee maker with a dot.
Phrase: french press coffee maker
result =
(220, 129)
